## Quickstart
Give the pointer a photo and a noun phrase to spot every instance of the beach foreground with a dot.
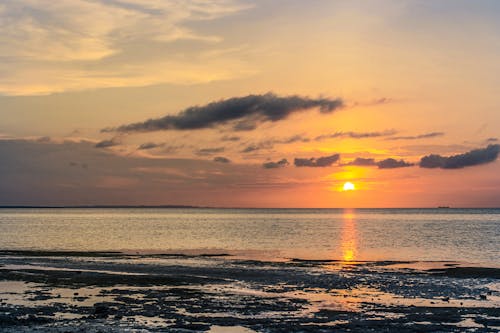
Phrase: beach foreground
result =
(116, 292)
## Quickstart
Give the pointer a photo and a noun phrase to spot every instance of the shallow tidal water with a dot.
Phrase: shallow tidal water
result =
(460, 235)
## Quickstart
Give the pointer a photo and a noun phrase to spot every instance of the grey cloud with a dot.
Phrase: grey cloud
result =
(391, 163)
(230, 138)
(470, 158)
(325, 161)
(245, 125)
(293, 139)
(107, 143)
(221, 159)
(259, 146)
(416, 137)
(44, 139)
(491, 140)
(359, 161)
(210, 151)
(251, 148)
(76, 164)
(41, 174)
(274, 165)
(268, 144)
(355, 135)
(150, 145)
(171, 149)
(247, 111)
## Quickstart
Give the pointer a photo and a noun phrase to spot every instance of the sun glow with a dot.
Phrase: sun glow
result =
(348, 186)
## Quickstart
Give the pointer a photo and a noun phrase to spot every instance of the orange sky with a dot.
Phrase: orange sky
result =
(415, 78)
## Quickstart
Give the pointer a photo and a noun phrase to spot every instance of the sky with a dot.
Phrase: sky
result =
(237, 103)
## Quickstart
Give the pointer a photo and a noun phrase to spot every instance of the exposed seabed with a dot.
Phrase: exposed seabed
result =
(119, 292)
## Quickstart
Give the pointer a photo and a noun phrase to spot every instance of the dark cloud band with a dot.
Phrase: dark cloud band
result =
(247, 112)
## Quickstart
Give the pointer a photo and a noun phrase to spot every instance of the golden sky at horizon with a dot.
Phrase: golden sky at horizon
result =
(415, 78)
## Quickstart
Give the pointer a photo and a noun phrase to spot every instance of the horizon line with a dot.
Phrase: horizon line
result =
(216, 207)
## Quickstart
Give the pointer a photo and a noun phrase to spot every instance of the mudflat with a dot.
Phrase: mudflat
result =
(115, 292)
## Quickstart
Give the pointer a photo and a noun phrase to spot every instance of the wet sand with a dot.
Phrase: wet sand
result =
(215, 292)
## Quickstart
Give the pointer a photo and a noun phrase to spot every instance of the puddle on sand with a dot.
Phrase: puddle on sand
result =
(230, 329)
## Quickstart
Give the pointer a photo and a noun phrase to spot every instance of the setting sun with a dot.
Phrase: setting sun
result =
(348, 186)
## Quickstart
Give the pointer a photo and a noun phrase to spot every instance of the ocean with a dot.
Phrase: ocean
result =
(470, 236)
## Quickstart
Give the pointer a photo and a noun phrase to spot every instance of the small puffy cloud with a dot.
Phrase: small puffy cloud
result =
(274, 165)
(150, 145)
(391, 163)
(470, 158)
(107, 143)
(210, 151)
(245, 113)
(356, 135)
(360, 161)
(416, 137)
(230, 138)
(325, 161)
(221, 159)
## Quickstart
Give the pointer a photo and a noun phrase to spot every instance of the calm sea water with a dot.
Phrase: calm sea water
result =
(465, 235)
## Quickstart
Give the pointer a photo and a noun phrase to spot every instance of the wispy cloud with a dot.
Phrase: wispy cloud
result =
(253, 109)
(355, 135)
(53, 46)
(416, 137)
(269, 143)
(470, 158)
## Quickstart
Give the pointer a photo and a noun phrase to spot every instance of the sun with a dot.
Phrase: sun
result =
(348, 186)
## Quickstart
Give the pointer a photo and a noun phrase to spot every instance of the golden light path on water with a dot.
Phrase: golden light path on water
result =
(349, 235)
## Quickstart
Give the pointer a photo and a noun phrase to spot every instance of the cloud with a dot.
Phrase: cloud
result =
(210, 151)
(325, 161)
(416, 137)
(359, 161)
(251, 148)
(256, 147)
(107, 143)
(355, 135)
(221, 159)
(391, 163)
(54, 46)
(230, 138)
(274, 165)
(251, 109)
(470, 158)
(492, 140)
(150, 145)
(269, 144)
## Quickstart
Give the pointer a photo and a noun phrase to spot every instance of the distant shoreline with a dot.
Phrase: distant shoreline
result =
(444, 208)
